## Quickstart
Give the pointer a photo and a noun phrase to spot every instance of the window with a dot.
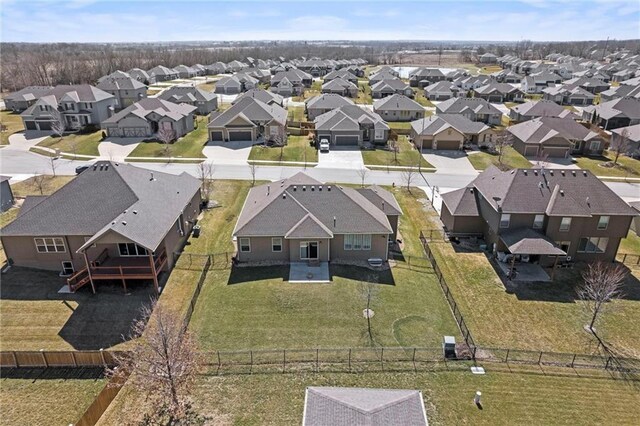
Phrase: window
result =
(564, 245)
(276, 244)
(379, 134)
(593, 245)
(49, 245)
(131, 249)
(67, 268)
(245, 245)
(595, 145)
(565, 224)
(538, 221)
(603, 222)
(357, 242)
(505, 219)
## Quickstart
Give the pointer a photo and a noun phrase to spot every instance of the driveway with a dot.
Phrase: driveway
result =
(554, 163)
(24, 140)
(341, 158)
(455, 162)
(228, 152)
(117, 149)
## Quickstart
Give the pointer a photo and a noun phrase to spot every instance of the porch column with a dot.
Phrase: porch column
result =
(513, 264)
(86, 262)
(553, 270)
(153, 271)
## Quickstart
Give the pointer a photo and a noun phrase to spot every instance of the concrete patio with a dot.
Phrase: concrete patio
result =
(526, 272)
(302, 272)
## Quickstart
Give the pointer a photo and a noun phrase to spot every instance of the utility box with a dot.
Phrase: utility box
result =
(449, 347)
(196, 231)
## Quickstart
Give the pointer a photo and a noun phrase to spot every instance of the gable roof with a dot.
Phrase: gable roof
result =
(358, 406)
(120, 81)
(462, 105)
(29, 93)
(633, 132)
(178, 94)
(145, 106)
(328, 101)
(461, 202)
(393, 84)
(543, 108)
(397, 102)
(623, 107)
(124, 198)
(435, 124)
(301, 206)
(253, 110)
(348, 117)
(262, 95)
(76, 92)
(339, 83)
(541, 129)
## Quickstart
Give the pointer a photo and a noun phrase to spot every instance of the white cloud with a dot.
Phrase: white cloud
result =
(325, 23)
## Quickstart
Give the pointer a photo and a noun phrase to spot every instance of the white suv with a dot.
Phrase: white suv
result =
(324, 145)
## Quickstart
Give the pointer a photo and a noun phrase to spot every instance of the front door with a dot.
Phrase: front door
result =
(309, 250)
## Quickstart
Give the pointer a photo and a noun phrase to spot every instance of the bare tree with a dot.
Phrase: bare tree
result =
(408, 175)
(503, 140)
(59, 126)
(163, 362)
(620, 144)
(166, 137)
(252, 170)
(602, 283)
(205, 174)
(362, 172)
(368, 293)
(38, 182)
(392, 145)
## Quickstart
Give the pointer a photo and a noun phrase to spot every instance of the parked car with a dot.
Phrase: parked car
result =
(324, 145)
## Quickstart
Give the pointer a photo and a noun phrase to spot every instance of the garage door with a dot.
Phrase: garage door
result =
(240, 136)
(113, 132)
(30, 125)
(216, 136)
(555, 152)
(132, 132)
(44, 125)
(346, 140)
(449, 145)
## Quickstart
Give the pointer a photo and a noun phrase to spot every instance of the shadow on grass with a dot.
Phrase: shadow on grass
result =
(247, 274)
(29, 373)
(357, 273)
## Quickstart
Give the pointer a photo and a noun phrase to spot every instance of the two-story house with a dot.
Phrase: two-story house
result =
(77, 106)
(540, 214)
(126, 89)
(291, 82)
(475, 109)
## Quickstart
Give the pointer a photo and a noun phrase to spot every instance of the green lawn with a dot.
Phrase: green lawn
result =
(626, 167)
(510, 159)
(364, 94)
(207, 87)
(45, 401)
(407, 156)
(49, 186)
(402, 125)
(490, 69)
(294, 151)
(151, 92)
(75, 143)
(314, 90)
(188, 146)
(422, 99)
(13, 123)
(631, 244)
(296, 113)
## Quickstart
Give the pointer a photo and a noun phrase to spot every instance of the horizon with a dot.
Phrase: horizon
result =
(104, 21)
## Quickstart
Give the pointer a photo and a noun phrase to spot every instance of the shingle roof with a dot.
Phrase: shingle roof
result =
(623, 107)
(145, 106)
(300, 205)
(461, 202)
(29, 93)
(529, 241)
(348, 118)
(262, 95)
(328, 101)
(435, 124)
(339, 84)
(397, 102)
(394, 84)
(357, 406)
(178, 94)
(441, 86)
(633, 132)
(382, 199)
(119, 83)
(462, 105)
(543, 109)
(253, 110)
(541, 129)
(117, 194)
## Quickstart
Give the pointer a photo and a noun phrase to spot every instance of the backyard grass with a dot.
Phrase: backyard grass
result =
(314, 90)
(402, 125)
(541, 316)
(50, 185)
(364, 94)
(519, 397)
(295, 150)
(13, 124)
(207, 87)
(631, 244)
(407, 156)
(75, 143)
(46, 401)
(151, 92)
(490, 69)
(511, 159)
(422, 99)
(296, 113)
(188, 146)
(603, 166)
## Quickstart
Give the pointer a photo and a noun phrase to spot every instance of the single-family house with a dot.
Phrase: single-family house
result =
(442, 90)
(613, 114)
(340, 87)
(236, 66)
(139, 219)
(263, 76)
(185, 71)
(141, 75)
(467, 83)
(555, 137)
(448, 132)
(24, 98)
(627, 139)
(475, 109)
(533, 109)
(386, 73)
(318, 105)
(622, 91)
(388, 87)
(499, 92)
(291, 82)
(351, 125)
(216, 68)
(591, 85)
(363, 406)
(315, 222)
(148, 116)
(535, 83)
(265, 96)
(235, 84)
(78, 106)
(488, 58)
(507, 76)
(249, 119)
(6, 194)
(538, 215)
(568, 95)
(204, 101)
(162, 73)
(200, 69)
(316, 67)
(422, 77)
(124, 88)
(343, 74)
(398, 108)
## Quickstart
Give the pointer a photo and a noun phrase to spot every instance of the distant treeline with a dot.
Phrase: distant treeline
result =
(27, 64)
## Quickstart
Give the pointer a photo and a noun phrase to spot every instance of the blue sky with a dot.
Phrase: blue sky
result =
(160, 20)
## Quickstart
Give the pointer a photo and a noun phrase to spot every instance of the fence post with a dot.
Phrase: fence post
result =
(540, 358)
(15, 359)
(506, 358)
(104, 361)
(219, 363)
(349, 360)
(284, 360)
(44, 358)
(73, 357)
(251, 359)
(573, 360)
(317, 360)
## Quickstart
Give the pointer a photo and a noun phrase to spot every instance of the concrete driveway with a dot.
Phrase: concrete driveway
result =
(228, 152)
(554, 163)
(341, 158)
(117, 149)
(455, 162)
(22, 141)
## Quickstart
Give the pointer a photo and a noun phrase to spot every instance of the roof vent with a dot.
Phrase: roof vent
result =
(304, 188)
(584, 172)
(471, 190)
(329, 188)
(313, 188)
(588, 201)
(268, 189)
(334, 221)
(124, 222)
(135, 212)
(562, 172)
(151, 178)
(295, 187)
(562, 192)
(535, 172)
(525, 172)
(540, 185)
(319, 187)
(551, 172)
(284, 196)
(573, 172)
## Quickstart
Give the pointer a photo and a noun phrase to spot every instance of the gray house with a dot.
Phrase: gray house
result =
(475, 109)
(6, 194)
(303, 220)
(423, 77)
(185, 71)
(148, 116)
(340, 87)
(627, 137)
(343, 74)
(448, 132)
(442, 90)
(351, 125)
(216, 68)
(124, 88)
(162, 73)
(533, 109)
(499, 92)
(265, 96)
(622, 91)
(24, 98)
(291, 82)
(141, 75)
(568, 95)
(79, 105)
(235, 84)
(249, 119)
(204, 101)
(613, 114)
(388, 87)
(318, 105)
(398, 108)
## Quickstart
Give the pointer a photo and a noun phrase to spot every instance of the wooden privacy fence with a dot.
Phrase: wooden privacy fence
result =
(45, 359)
(462, 325)
(100, 404)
